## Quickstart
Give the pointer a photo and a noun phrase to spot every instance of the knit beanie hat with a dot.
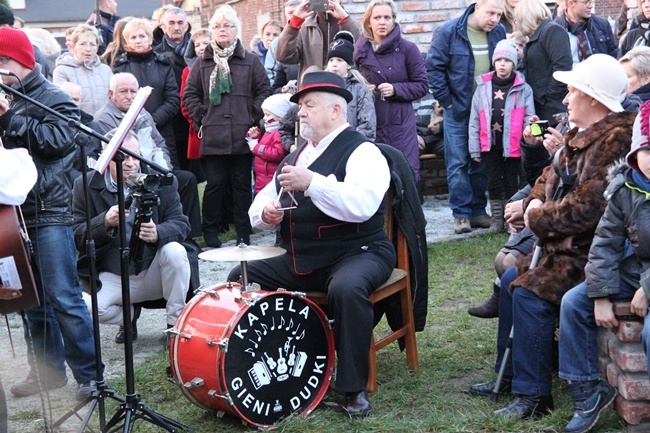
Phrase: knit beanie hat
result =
(505, 49)
(16, 45)
(277, 104)
(342, 46)
(6, 16)
(640, 134)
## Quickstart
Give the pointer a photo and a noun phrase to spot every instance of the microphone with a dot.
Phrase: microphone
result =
(7, 73)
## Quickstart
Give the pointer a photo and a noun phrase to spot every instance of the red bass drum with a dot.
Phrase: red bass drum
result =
(257, 355)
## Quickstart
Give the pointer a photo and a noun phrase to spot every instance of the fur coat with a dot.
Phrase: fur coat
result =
(566, 227)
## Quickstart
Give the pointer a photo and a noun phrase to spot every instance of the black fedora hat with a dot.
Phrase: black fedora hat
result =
(322, 82)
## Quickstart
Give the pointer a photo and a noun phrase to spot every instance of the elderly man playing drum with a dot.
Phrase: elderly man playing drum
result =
(327, 199)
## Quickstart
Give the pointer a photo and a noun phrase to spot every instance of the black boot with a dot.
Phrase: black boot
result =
(485, 389)
(490, 308)
(527, 406)
(590, 399)
(119, 337)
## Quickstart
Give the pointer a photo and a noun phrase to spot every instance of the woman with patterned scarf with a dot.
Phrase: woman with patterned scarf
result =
(223, 95)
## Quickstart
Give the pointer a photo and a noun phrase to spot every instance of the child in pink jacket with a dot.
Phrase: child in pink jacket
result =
(268, 150)
(501, 107)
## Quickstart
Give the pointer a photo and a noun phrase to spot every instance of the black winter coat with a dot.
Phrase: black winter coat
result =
(51, 144)
(224, 126)
(152, 69)
(408, 213)
(547, 51)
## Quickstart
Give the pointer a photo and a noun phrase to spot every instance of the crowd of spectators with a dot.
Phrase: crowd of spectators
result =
(219, 106)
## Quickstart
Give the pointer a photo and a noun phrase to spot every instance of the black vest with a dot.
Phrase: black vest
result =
(312, 239)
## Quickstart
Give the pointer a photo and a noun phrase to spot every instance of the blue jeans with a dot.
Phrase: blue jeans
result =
(533, 321)
(466, 179)
(578, 332)
(60, 328)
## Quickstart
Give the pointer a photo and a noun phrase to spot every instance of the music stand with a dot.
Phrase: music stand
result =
(130, 407)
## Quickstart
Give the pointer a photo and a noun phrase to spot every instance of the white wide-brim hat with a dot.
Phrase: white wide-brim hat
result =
(599, 76)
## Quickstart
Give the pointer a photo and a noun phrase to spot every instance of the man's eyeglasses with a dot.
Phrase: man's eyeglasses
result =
(225, 27)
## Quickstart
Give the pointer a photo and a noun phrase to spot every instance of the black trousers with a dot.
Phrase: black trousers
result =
(222, 172)
(348, 283)
(502, 173)
(188, 192)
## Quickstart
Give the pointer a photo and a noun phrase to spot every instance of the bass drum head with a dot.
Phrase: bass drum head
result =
(279, 359)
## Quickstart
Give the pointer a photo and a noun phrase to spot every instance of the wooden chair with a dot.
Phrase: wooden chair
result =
(398, 282)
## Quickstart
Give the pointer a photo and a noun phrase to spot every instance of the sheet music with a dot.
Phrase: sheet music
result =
(129, 119)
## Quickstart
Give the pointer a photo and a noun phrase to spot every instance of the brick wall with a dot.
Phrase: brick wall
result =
(418, 19)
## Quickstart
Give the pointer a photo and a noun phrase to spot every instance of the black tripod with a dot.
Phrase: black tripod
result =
(130, 407)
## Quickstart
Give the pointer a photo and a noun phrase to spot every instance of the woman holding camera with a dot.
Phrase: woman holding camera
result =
(564, 224)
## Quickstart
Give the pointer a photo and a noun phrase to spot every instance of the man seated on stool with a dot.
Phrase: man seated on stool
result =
(165, 268)
(335, 236)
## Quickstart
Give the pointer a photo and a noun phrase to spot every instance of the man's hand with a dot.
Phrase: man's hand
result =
(604, 313)
(148, 232)
(421, 144)
(336, 10)
(271, 215)
(640, 303)
(295, 178)
(514, 214)
(528, 136)
(112, 217)
(302, 11)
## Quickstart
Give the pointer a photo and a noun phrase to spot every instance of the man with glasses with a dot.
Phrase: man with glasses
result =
(175, 37)
(588, 33)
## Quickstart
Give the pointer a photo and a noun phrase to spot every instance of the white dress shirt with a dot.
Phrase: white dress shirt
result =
(355, 199)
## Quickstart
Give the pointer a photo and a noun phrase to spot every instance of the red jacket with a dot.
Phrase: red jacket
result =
(268, 153)
(193, 140)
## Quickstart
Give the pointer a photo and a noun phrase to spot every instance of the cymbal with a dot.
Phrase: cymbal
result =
(241, 253)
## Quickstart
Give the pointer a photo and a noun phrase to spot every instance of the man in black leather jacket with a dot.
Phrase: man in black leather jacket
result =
(60, 329)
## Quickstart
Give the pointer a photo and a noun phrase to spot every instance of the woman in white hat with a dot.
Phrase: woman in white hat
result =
(564, 226)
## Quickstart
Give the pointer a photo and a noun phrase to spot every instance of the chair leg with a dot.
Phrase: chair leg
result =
(410, 343)
(372, 367)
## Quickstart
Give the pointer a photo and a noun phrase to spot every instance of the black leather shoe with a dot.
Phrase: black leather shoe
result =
(357, 404)
(526, 406)
(485, 389)
(119, 337)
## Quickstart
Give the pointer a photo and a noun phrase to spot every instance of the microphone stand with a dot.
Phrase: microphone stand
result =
(130, 407)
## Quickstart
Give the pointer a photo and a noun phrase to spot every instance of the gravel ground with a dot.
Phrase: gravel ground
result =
(150, 333)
